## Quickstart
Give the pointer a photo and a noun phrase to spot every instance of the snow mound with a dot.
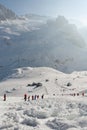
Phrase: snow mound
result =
(70, 114)
(40, 114)
(30, 122)
(56, 124)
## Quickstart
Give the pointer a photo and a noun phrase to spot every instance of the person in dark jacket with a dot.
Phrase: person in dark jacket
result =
(25, 97)
(42, 96)
(4, 97)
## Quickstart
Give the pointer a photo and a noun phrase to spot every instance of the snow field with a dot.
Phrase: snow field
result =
(57, 111)
(61, 113)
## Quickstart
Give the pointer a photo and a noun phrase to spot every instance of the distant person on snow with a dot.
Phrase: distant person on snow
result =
(42, 96)
(32, 97)
(37, 96)
(25, 97)
(28, 98)
(4, 97)
(83, 94)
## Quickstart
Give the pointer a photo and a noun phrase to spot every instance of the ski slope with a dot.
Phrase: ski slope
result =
(59, 110)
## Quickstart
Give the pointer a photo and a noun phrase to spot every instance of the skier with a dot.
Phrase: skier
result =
(77, 94)
(74, 94)
(25, 97)
(28, 98)
(37, 96)
(32, 97)
(4, 97)
(83, 94)
(42, 96)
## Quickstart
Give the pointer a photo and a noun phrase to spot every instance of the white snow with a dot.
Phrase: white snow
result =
(58, 110)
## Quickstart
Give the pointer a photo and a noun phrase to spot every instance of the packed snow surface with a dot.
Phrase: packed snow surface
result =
(63, 107)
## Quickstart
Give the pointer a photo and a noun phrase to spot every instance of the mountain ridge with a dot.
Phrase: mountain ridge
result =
(36, 41)
(6, 13)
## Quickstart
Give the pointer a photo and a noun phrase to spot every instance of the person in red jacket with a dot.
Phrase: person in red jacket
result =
(83, 94)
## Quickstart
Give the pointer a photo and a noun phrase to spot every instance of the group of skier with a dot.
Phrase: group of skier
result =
(33, 97)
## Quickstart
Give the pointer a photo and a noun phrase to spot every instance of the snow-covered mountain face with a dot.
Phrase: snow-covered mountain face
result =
(32, 40)
(6, 13)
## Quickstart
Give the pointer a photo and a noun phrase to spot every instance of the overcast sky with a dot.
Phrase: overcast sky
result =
(68, 8)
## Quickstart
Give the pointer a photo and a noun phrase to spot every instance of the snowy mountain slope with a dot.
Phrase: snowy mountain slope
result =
(35, 42)
(58, 109)
(25, 76)
(30, 41)
(52, 82)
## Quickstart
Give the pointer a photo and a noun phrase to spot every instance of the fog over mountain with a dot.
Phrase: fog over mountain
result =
(34, 40)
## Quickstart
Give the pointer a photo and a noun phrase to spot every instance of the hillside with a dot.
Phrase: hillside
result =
(25, 80)
(59, 109)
